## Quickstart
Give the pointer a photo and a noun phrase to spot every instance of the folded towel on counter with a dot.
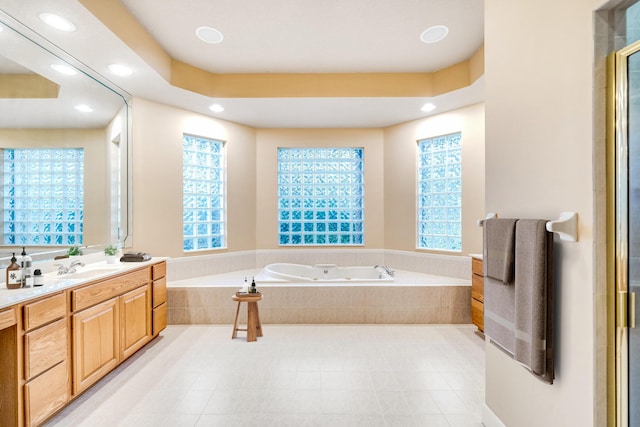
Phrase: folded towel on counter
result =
(499, 247)
(135, 257)
(499, 295)
(534, 298)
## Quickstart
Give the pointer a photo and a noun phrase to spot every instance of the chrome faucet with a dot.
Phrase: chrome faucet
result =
(71, 269)
(387, 270)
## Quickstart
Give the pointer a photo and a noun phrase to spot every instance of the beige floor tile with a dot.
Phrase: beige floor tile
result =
(320, 375)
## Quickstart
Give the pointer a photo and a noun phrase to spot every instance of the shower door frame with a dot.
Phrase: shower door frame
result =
(623, 300)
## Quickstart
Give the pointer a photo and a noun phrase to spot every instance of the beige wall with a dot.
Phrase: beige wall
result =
(539, 141)
(400, 162)
(96, 210)
(157, 177)
(268, 141)
(390, 162)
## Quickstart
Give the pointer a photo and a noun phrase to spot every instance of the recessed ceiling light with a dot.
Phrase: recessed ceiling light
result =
(209, 35)
(216, 108)
(57, 22)
(434, 34)
(64, 69)
(120, 70)
(84, 108)
(428, 107)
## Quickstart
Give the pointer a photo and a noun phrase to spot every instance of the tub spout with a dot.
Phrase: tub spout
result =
(387, 270)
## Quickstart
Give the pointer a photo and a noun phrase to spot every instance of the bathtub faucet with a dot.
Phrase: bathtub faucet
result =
(389, 271)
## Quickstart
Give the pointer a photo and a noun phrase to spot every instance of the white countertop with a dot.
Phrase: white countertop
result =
(54, 283)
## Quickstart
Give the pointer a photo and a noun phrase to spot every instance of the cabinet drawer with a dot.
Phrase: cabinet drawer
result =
(159, 291)
(7, 318)
(477, 314)
(159, 318)
(46, 394)
(44, 311)
(477, 287)
(44, 348)
(158, 270)
(476, 266)
(94, 294)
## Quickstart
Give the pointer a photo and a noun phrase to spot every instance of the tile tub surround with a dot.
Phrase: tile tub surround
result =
(413, 299)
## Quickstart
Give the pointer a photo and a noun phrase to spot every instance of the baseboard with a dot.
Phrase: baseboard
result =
(489, 418)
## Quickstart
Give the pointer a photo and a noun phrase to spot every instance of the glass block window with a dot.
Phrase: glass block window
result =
(203, 202)
(321, 196)
(43, 196)
(440, 193)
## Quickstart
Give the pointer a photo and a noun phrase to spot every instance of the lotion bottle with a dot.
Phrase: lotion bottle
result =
(14, 274)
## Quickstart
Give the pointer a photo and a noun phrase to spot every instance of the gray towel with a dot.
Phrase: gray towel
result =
(499, 296)
(499, 306)
(499, 236)
(534, 298)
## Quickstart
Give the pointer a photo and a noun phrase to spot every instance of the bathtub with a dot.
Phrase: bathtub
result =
(326, 273)
(408, 298)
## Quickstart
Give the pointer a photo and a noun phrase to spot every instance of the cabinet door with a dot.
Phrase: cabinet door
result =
(135, 320)
(159, 318)
(96, 347)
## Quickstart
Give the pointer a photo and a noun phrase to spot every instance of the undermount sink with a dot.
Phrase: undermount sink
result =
(89, 273)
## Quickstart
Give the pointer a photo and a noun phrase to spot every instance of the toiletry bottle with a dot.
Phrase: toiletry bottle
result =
(14, 274)
(38, 280)
(25, 265)
(245, 287)
(253, 286)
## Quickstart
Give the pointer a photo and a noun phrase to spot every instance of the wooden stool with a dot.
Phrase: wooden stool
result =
(254, 328)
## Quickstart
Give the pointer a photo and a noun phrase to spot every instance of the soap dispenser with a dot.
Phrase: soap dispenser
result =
(25, 265)
(14, 274)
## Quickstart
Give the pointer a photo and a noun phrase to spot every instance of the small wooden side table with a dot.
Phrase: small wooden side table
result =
(254, 327)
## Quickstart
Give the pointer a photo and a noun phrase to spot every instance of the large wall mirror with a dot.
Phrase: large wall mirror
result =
(64, 149)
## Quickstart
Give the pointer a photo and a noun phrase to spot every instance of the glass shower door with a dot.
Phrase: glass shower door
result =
(627, 225)
(633, 136)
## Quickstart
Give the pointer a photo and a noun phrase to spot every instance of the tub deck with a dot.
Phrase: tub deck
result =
(412, 298)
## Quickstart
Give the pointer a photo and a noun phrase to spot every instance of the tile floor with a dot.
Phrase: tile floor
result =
(296, 375)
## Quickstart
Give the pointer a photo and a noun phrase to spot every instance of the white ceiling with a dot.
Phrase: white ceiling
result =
(311, 36)
(307, 36)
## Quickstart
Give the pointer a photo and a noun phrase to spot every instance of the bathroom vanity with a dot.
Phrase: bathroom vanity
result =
(59, 339)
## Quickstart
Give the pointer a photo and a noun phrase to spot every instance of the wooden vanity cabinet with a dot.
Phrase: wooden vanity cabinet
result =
(477, 293)
(55, 347)
(46, 361)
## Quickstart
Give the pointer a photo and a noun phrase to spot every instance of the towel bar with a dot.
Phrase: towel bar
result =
(490, 215)
(566, 226)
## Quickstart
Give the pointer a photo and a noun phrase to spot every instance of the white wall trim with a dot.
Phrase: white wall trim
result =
(489, 418)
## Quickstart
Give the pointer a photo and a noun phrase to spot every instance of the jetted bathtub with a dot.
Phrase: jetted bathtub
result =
(326, 273)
